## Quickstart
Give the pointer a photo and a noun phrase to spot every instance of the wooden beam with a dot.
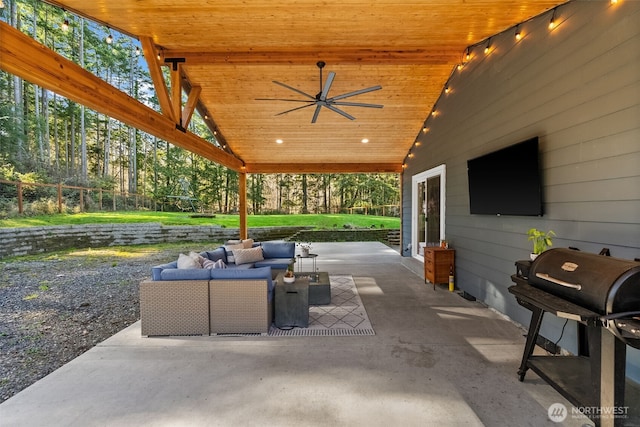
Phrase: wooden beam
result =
(155, 71)
(324, 168)
(190, 106)
(176, 94)
(24, 57)
(334, 56)
(242, 193)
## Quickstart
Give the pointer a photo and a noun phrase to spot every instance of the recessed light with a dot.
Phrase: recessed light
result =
(364, 140)
(279, 141)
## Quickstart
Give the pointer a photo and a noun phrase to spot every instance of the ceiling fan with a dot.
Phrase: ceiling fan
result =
(320, 99)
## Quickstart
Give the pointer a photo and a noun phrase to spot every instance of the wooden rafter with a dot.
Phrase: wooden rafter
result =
(336, 56)
(190, 106)
(324, 167)
(24, 57)
(155, 71)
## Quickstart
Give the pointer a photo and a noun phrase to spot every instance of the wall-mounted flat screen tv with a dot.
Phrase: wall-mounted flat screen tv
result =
(507, 181)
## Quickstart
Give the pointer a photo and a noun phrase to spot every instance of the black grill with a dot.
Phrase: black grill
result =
(605, 285)
(602, 294)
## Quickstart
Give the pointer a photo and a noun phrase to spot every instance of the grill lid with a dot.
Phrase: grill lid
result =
(600, 283)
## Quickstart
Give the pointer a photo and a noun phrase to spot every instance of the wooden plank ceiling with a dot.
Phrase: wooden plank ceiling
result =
(234, 50)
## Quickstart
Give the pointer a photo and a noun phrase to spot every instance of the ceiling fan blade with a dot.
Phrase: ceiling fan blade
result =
(357, 104)
(282, 99)
(315, 114)
(354, 93)
(297, 108)
(294, 89)
(327, 86)
(342, 113)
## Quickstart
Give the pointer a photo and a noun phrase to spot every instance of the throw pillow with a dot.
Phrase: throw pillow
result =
(229, 249)
(197, 257)
(246, 256)
(213, 264)
(185, 261)
(247, 243)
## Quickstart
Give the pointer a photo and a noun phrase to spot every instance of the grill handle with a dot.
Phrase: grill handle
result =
(545, 276)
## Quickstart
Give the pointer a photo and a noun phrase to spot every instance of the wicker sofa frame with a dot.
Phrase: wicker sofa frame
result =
(204, 307)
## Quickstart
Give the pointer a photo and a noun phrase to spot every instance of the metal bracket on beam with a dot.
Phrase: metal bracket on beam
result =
(174, 62)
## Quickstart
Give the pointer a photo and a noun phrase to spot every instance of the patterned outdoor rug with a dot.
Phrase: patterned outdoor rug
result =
(344, 316)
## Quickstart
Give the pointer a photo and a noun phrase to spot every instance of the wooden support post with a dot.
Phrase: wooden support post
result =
(20, 208)
(59, 198)
(242, 190)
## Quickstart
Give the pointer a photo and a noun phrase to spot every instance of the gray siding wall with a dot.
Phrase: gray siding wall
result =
(578, 89)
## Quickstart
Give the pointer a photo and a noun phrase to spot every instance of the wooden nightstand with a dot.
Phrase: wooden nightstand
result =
(437, 264)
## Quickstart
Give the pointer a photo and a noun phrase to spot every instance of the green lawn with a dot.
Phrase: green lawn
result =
(320, 221)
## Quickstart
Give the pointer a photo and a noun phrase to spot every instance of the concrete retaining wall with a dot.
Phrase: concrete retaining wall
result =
(36, 240)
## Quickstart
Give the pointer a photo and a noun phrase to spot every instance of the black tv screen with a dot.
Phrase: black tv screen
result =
(507, 181)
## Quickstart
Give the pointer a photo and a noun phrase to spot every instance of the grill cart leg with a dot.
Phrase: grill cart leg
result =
(532, 337)
(610, 377)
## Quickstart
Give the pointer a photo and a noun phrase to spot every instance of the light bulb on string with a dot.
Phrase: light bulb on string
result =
(552, 22)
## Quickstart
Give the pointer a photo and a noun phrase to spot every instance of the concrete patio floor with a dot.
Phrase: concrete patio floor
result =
(436, 359)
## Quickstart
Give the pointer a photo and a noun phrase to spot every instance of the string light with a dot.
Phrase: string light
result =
(1, 4)
(518, 34)
(488, 46)
(467, 55)
(109, 38)
(137, 51)
(614, 1)
(65, 25)
(552, 22)
(446, 89)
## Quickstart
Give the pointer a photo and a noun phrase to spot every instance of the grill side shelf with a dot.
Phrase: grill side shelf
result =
(551, 303)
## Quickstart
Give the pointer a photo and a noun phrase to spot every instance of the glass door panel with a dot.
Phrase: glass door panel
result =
(428, 208)
(433, 211)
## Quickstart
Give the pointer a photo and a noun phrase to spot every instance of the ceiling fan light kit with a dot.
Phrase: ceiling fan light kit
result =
(321, 99)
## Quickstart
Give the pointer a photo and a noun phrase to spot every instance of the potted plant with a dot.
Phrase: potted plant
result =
(541, 241)
(289, 276)
(304, 249)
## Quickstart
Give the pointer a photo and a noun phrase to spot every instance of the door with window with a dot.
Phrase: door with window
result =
(427, 210)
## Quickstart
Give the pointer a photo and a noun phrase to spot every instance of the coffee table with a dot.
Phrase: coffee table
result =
(319, 287)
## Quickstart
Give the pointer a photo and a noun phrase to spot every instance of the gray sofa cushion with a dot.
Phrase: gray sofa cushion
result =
(278, 249)
(157, 270)
(185, 274)
(216, 254)
(275, 263)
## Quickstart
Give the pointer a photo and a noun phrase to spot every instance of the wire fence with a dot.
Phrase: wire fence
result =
(27, 198)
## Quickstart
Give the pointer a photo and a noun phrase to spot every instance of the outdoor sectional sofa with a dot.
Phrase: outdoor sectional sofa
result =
(201, 301)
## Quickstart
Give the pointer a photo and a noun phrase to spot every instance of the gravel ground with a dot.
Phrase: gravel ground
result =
(55, 308)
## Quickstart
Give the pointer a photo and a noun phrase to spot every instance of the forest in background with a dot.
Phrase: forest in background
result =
(47, 138)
